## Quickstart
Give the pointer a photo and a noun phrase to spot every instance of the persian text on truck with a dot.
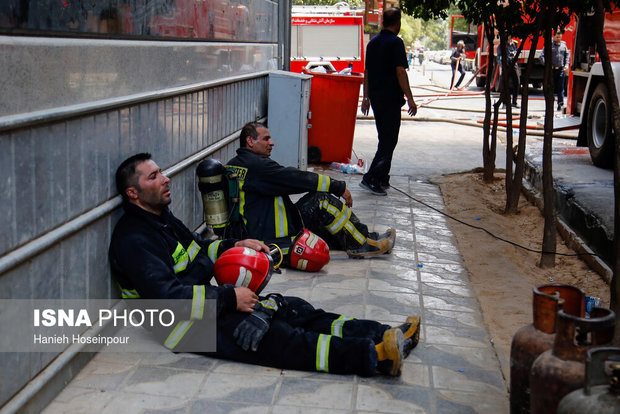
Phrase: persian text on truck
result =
(334, 38)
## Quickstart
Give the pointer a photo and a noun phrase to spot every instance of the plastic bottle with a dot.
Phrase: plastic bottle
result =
(336, 166)
(346, 168)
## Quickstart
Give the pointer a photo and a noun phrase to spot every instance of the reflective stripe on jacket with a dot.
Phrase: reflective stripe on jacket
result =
(267, 210)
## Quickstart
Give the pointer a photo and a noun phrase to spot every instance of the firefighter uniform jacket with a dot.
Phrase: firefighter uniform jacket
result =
(268, 212)
(157, 257)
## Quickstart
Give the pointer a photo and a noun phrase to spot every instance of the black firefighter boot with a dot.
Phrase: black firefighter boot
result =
(376, 245)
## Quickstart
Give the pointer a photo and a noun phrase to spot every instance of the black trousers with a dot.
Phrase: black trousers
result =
(558, 85)
(513, 82)
(304, 338)
(387, 121)
(329, 218)
(461, 71)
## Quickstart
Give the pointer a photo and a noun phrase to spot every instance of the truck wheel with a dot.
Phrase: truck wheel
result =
(481, 81)
(600, 137)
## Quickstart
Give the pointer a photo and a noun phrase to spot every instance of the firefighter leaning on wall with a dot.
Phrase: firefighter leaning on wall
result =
(153, 255)
(268, 213)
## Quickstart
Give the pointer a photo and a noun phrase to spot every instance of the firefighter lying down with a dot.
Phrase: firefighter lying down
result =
(153, 255)
(259, 206)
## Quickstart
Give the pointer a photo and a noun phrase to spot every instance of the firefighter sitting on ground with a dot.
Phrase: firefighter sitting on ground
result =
(267, 213)
(153, 255)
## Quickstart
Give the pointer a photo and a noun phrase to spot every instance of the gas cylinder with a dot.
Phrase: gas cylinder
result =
(534, 339)
(601, 392)
(561, 369)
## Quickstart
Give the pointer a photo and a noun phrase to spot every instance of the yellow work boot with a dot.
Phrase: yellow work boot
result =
(411, 333)
(375, 247)
(390, 352)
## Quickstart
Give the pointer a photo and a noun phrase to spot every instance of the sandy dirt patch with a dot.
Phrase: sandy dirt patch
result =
(503, 276)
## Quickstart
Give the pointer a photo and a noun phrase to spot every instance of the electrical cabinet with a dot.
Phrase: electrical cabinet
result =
(287, 117)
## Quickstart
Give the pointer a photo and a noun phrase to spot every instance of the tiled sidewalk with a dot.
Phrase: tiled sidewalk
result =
(454, 369)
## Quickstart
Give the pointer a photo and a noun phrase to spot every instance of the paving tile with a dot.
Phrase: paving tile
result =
(438, 257)
(453, 303)
(125, 358)
(456, 337)
(103, 375)
(226, 407)
(181, 410)
(444, 289)
(452, 319)
(470, 380)
(443, 273)
(433, 228)
(164, 382)
(456, 357)
(385, 398)
(125, 402)
(405, 255)
(389, 283)
(164, 358)
(413, 374)
(184, 361)
(437, 247)
(231, 367)
(339, 282)
(287, 409)
(391, 306)
(254, 389)
(313, 393)
(450, 402)
(407, 271)
(77, 400)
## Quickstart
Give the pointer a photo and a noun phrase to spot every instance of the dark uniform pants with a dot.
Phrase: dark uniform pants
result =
(304, 338)
(387, 121)
(461, 71)
(329, 218)
(558, 85)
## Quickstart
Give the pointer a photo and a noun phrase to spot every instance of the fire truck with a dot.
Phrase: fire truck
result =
(477, 48)
(330, 34)
(588, 97)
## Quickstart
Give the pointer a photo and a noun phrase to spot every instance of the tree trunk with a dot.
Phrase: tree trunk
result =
(547, 258)
(601, 47)
(489, 141)
(512, 195)
(505, 99)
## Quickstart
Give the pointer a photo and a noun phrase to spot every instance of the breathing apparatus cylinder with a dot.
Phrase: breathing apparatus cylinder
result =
(213, 187)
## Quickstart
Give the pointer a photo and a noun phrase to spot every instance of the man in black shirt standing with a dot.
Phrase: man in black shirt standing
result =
(385, 83)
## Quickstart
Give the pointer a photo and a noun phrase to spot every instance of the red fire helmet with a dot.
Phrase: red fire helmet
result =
(242, 266)
(309, 252)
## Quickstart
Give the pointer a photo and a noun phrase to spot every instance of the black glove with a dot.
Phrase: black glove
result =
(252, 329)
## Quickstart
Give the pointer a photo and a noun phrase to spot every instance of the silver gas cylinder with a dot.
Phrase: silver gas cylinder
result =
(601, 393)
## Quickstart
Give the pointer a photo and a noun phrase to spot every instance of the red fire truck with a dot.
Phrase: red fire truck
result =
(588, 97)
(327, 34)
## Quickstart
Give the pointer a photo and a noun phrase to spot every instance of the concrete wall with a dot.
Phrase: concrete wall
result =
(71, 110)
